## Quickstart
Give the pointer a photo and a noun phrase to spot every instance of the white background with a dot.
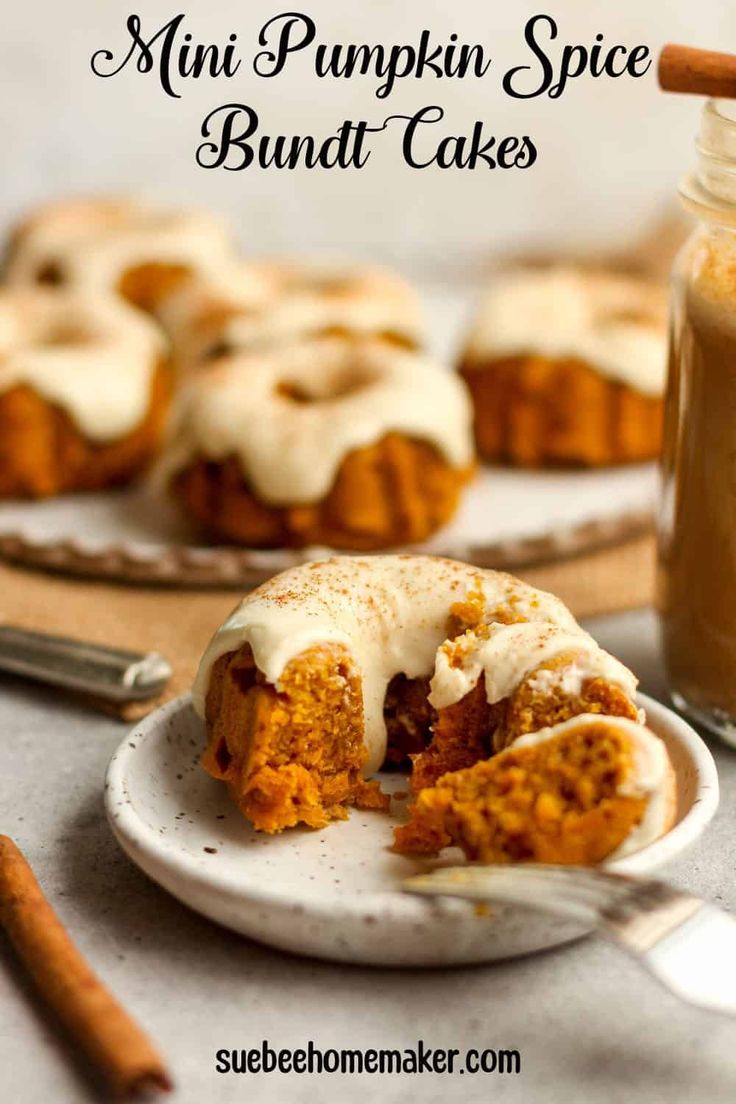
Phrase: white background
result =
(611, 152)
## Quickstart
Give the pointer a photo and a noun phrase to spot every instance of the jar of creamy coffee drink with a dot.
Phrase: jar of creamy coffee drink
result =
(697, 531)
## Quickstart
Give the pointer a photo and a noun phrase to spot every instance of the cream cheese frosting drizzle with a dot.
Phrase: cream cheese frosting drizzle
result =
(614, 324)
(292, 415)
(91, 244)
(508, 653)
(92, 355)
(392, 614)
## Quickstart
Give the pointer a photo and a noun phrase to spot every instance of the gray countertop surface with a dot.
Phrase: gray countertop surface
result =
(589, 1024)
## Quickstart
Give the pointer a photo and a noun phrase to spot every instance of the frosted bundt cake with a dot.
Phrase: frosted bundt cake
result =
(568, 367)
(357, 445)
(84, 391)
(116, 245)
(255, 306)
(332, 669)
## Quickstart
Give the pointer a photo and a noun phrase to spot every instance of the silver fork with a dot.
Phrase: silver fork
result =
(686, 943)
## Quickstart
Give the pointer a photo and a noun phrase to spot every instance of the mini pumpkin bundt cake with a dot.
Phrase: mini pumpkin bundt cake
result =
(333, 669)
(568, 367)
(255, 306)
(116, 245)
(356, 445)
(84, 391)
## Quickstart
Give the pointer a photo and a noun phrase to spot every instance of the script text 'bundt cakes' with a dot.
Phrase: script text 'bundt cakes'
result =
(84, 391)
(249, 306)
(333, 669)
(568, 367)
(356, 445)
(118, 245)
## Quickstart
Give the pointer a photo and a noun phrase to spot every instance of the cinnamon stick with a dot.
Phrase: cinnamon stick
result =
(698, 72)
(92, 1016)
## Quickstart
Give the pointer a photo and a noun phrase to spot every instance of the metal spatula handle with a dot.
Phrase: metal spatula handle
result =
(110, 673)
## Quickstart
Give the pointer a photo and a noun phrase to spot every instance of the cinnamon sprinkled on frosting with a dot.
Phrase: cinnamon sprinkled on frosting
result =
(393, 614)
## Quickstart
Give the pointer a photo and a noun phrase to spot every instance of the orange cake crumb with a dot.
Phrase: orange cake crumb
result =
(540, 703)
(292, 755)
(556, 801)
(472, 729)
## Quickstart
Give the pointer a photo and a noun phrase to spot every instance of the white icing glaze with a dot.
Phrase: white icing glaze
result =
(290, 450)
(615, 325)
(391, 614)
(653, 778)
(93, 243)
(313, 300)
(511, 652)
(197, 309)
(92, 355)
(650, 776)
(249, 306)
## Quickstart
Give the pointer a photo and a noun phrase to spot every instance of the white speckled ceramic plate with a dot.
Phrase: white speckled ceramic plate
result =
(507, 518)
(336, 893)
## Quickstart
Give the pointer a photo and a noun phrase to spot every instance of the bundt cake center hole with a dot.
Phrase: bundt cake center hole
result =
(219, 351)
(217, 320)
(388, 337)
(332, 386)
(51, 274)
(146, 284)
(330, 285)
(66, 334)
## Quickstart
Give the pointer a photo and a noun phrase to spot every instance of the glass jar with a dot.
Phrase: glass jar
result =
(697, 525)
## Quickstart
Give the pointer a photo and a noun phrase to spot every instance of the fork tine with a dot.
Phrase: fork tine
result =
(687, 945)
(561, 890)
(569, 891)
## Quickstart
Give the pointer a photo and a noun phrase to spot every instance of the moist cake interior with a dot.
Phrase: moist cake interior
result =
(295, 754)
